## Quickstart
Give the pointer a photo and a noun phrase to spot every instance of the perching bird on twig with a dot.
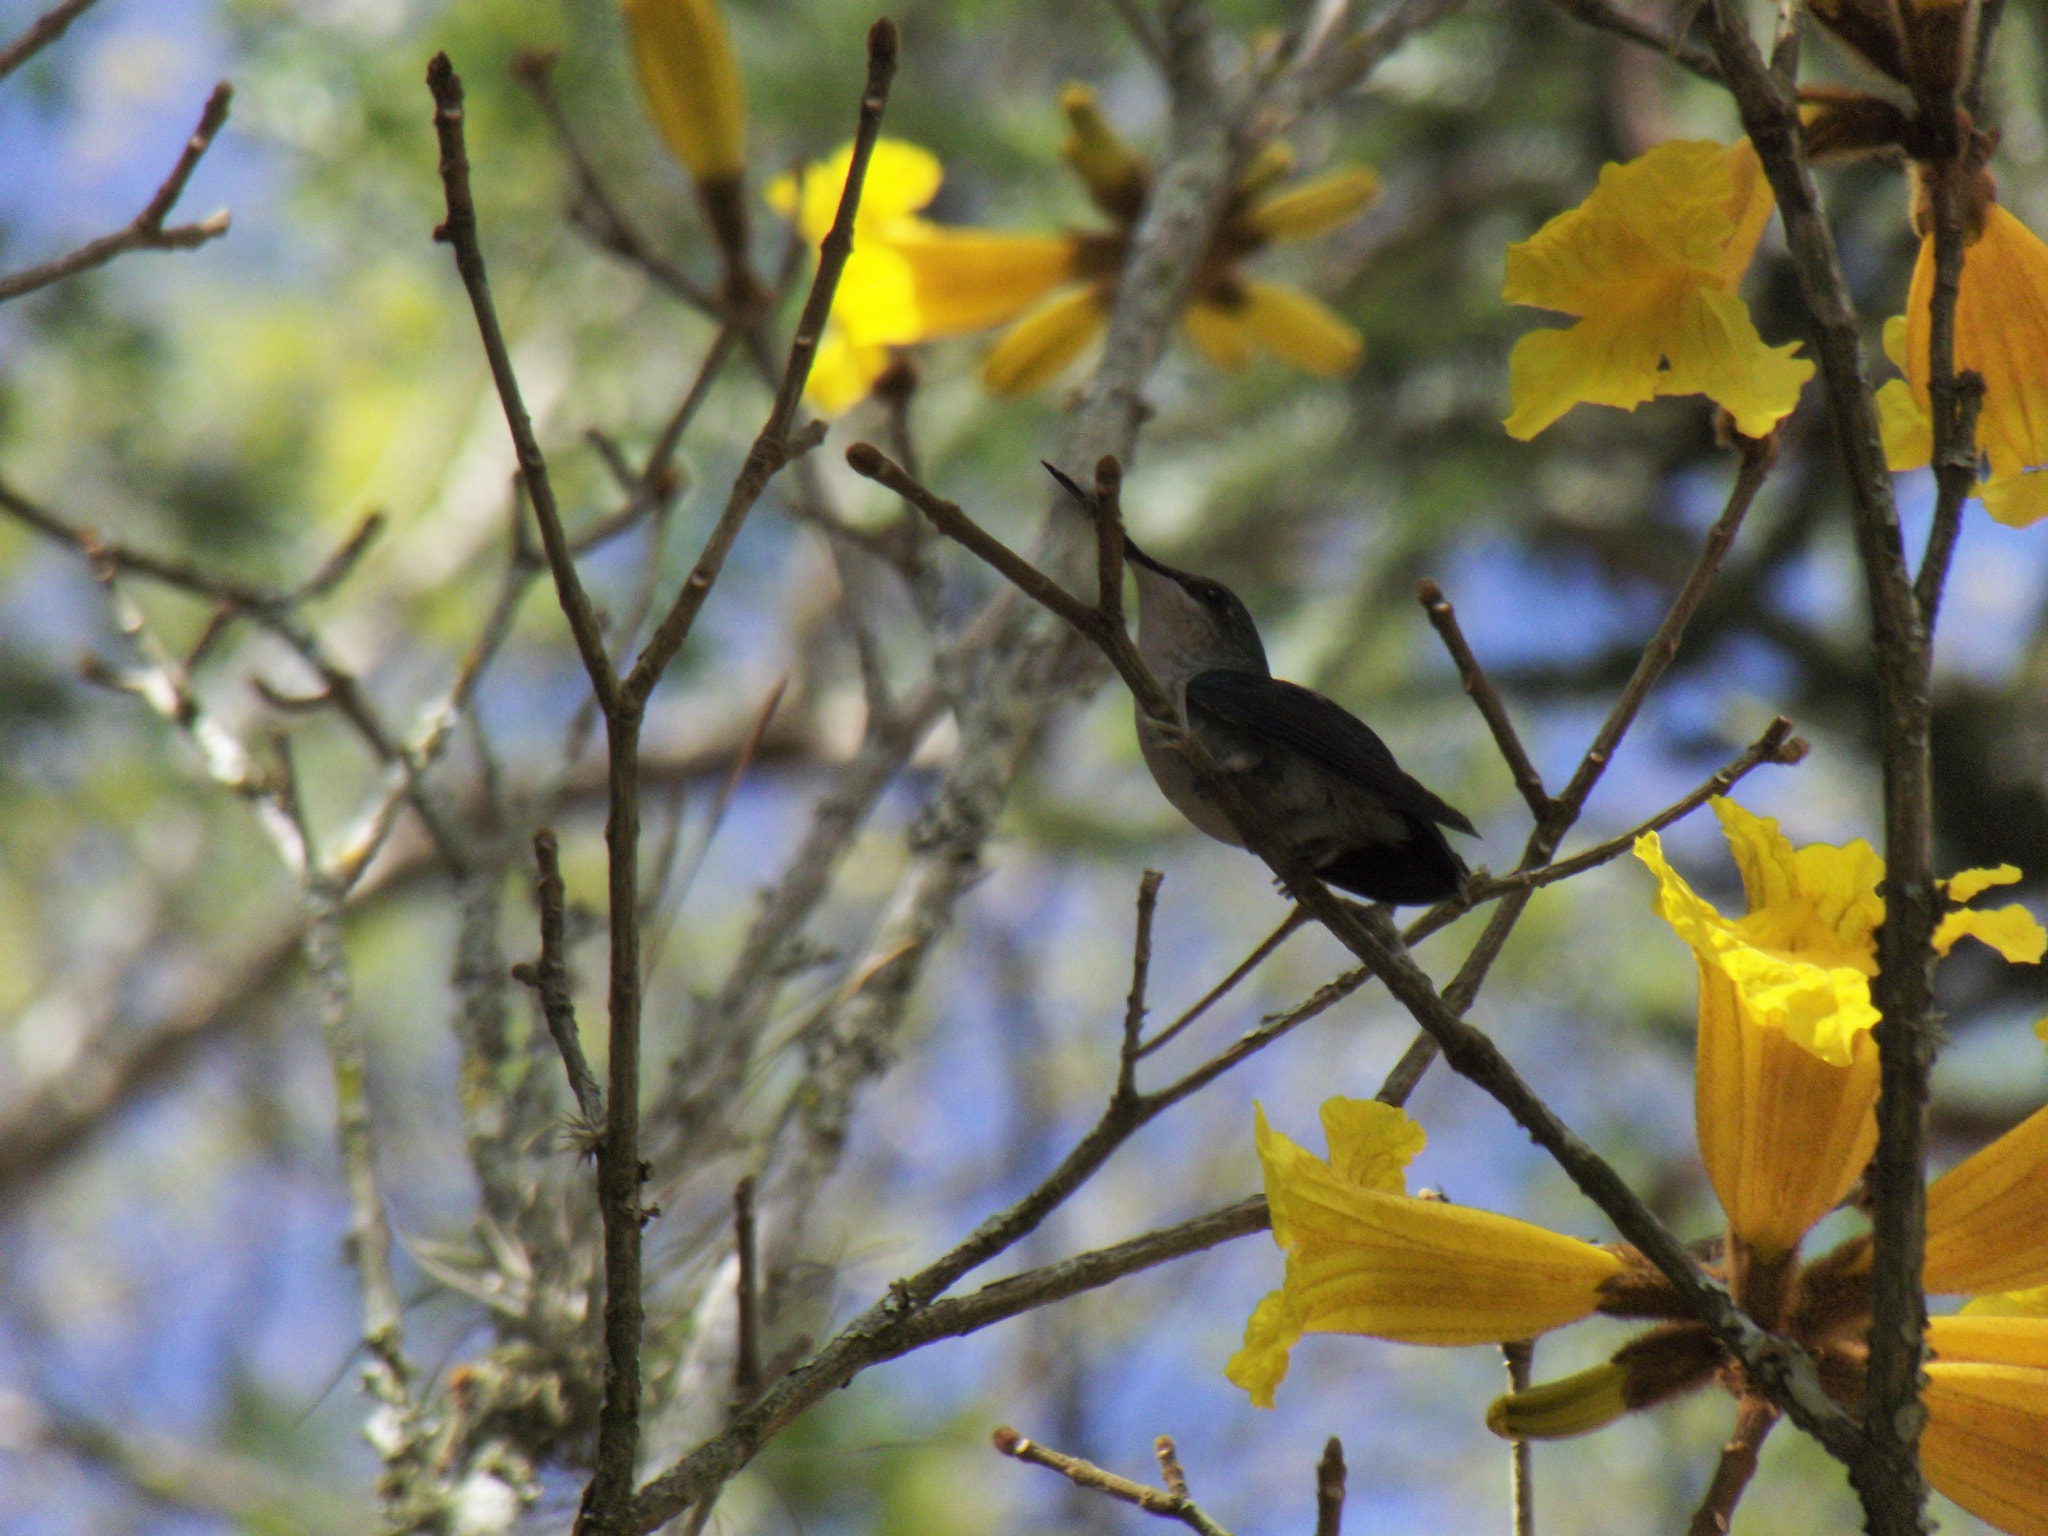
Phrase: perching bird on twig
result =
(1315, 774)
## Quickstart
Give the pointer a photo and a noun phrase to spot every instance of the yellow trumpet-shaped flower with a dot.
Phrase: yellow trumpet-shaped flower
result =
(1365, 1257)
(2002, 333)
(1229, 317)
(1986, 1440)
(1651, 262)
(1987, 1217)
(908, 280)
(691, 83)
(1787, 1072)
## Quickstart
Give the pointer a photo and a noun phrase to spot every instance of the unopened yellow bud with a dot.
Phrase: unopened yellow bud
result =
(1557, 1410)
(1116, 174)
(691, 83)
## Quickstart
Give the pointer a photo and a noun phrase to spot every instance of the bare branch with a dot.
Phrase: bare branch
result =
(1085, 1474)
(550, 979)
(1134, 1007)
(145, 232)
(1609, 17)
(459, 232)
(775, 446)
(1481, 691)
(40, 33)
(1754, 1420)
(1330, 1490)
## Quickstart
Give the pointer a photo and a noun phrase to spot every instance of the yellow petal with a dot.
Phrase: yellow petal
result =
(1038, 348)
(691, 83)
(876, 300)
(1667, 213)
(1801, 961)
(1261, 1365)
(2018, 501)
(969, 279)
(1220, 334)
(1986, 1442)
(1787, 1074)
(1969, 884)
(1987, 1217)
(1607, 359)
(1783, 1133)
(1749, 205)
(1895, 341)
(2011, 931)
(842, 372)
(2026, 1303)
(1371, 1144)
(1903, 424)
(1313, 206)
(1990, 1338)
(1300, 330)
(1557, 1410)
(1364, 1260)
(1712, 348)
(2002, 332)
(901, 178)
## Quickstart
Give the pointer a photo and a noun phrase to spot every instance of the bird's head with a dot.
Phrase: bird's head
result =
(1186, 623)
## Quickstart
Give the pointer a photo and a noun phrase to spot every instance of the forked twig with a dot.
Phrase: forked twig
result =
(1085, 1474)
(146, 231)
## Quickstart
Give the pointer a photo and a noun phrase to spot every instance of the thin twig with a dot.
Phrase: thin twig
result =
(894, 1327)
(1776, 745)
(592, 209)
(459, 231)
(1171, 1473)
(1289, 925)
(550, 979)
(746, 1367)
(145, 232)
(775, 446)
(1754, 1419)
(1481, 691)
(39, 34)
(1520, 1356)
(1085, 1474)
(1134, 1006)
(1330, 1490)
(1608, 17)
(1143, 32)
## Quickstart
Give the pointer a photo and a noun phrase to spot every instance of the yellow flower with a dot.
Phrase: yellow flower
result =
(1365, 1257)
(908, 279)
(1986, 1440)
(691, 83)
(1787, 1072)
(2002, 333)
(1651, 262)
(1228, 316)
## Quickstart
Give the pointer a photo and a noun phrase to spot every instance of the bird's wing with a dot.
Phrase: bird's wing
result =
(1304, 721)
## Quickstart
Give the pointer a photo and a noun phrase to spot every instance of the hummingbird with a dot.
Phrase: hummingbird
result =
(1318, 776)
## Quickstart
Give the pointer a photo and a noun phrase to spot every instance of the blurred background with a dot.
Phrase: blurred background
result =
(178, 1324)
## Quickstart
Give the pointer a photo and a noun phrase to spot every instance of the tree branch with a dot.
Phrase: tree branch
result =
(145, 232)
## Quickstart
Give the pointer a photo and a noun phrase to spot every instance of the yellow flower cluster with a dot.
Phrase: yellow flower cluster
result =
(911, 280)
(1651, 262)
(1787, 1083)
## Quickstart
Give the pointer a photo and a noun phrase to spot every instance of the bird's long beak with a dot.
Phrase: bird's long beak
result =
(1131, 551)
